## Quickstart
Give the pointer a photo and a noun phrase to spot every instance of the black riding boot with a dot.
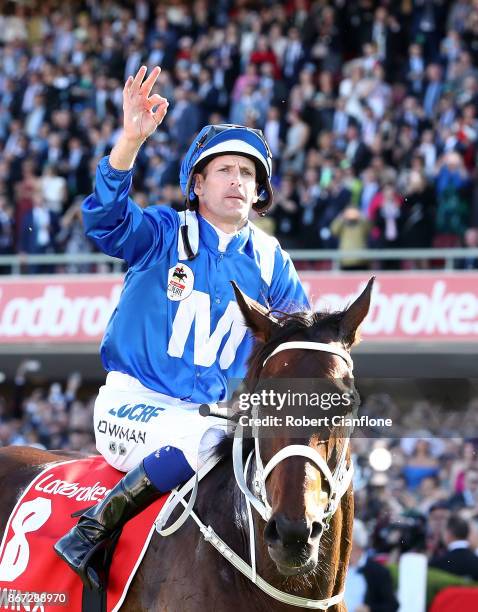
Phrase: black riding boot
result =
(133, 493)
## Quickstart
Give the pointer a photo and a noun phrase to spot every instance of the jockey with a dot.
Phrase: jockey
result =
(177, 338)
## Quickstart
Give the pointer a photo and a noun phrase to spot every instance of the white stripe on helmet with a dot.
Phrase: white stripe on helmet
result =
(236, 147)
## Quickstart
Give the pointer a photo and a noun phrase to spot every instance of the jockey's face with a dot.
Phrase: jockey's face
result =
(226, 191)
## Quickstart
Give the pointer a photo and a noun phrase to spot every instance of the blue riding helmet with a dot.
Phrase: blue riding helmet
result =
(223, 139)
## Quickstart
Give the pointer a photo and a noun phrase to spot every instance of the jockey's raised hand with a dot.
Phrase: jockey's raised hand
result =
(142, 113)
(140, 120)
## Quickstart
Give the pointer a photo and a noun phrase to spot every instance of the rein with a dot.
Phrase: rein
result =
(339, 481)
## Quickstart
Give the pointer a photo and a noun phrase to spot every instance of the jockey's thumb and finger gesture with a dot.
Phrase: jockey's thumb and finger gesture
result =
(142, 113)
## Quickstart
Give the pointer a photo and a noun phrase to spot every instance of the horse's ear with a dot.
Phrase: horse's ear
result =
(355, 314)
(257, 318)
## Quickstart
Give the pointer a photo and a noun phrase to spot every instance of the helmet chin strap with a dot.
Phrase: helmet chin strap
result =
(190, 253)
(185, 236)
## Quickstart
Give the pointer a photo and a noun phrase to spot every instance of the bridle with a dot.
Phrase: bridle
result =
(339, 481)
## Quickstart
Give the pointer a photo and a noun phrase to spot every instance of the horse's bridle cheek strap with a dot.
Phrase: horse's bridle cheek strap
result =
(237, 462)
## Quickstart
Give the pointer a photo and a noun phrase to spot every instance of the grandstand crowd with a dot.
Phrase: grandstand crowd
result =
(369, 108)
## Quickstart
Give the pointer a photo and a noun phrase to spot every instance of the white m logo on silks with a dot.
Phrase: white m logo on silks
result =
(197, 308)
(30, 516)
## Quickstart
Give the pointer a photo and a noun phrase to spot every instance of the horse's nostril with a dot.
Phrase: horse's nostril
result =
(316, 530)
(271, 534)
(289, 533)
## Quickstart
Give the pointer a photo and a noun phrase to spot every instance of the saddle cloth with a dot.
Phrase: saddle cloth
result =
(28, 563)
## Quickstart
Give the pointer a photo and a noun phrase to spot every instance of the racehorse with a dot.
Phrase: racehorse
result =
(303, 523)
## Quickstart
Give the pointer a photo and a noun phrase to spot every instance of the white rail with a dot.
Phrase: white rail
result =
(80, 262)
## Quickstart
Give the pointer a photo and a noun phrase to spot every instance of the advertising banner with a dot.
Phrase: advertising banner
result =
(423, 306)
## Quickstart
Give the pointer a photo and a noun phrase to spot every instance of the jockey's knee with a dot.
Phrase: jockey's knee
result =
(167, 468)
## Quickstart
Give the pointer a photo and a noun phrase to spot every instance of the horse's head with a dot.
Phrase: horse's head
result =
(299, 483)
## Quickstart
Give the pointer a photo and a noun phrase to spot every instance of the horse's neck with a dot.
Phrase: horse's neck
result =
(221, 504)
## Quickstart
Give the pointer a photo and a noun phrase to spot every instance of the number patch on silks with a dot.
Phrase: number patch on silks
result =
(180, 282)
(28, 563)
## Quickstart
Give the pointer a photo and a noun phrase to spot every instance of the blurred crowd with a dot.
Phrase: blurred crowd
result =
(50, 416)
(369, 107)
(418, 490)
(406, 507)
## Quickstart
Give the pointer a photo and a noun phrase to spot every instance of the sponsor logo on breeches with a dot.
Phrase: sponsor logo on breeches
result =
(120, 432)
(138, 412)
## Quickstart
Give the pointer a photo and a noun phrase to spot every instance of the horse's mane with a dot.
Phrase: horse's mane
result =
(307, 325)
